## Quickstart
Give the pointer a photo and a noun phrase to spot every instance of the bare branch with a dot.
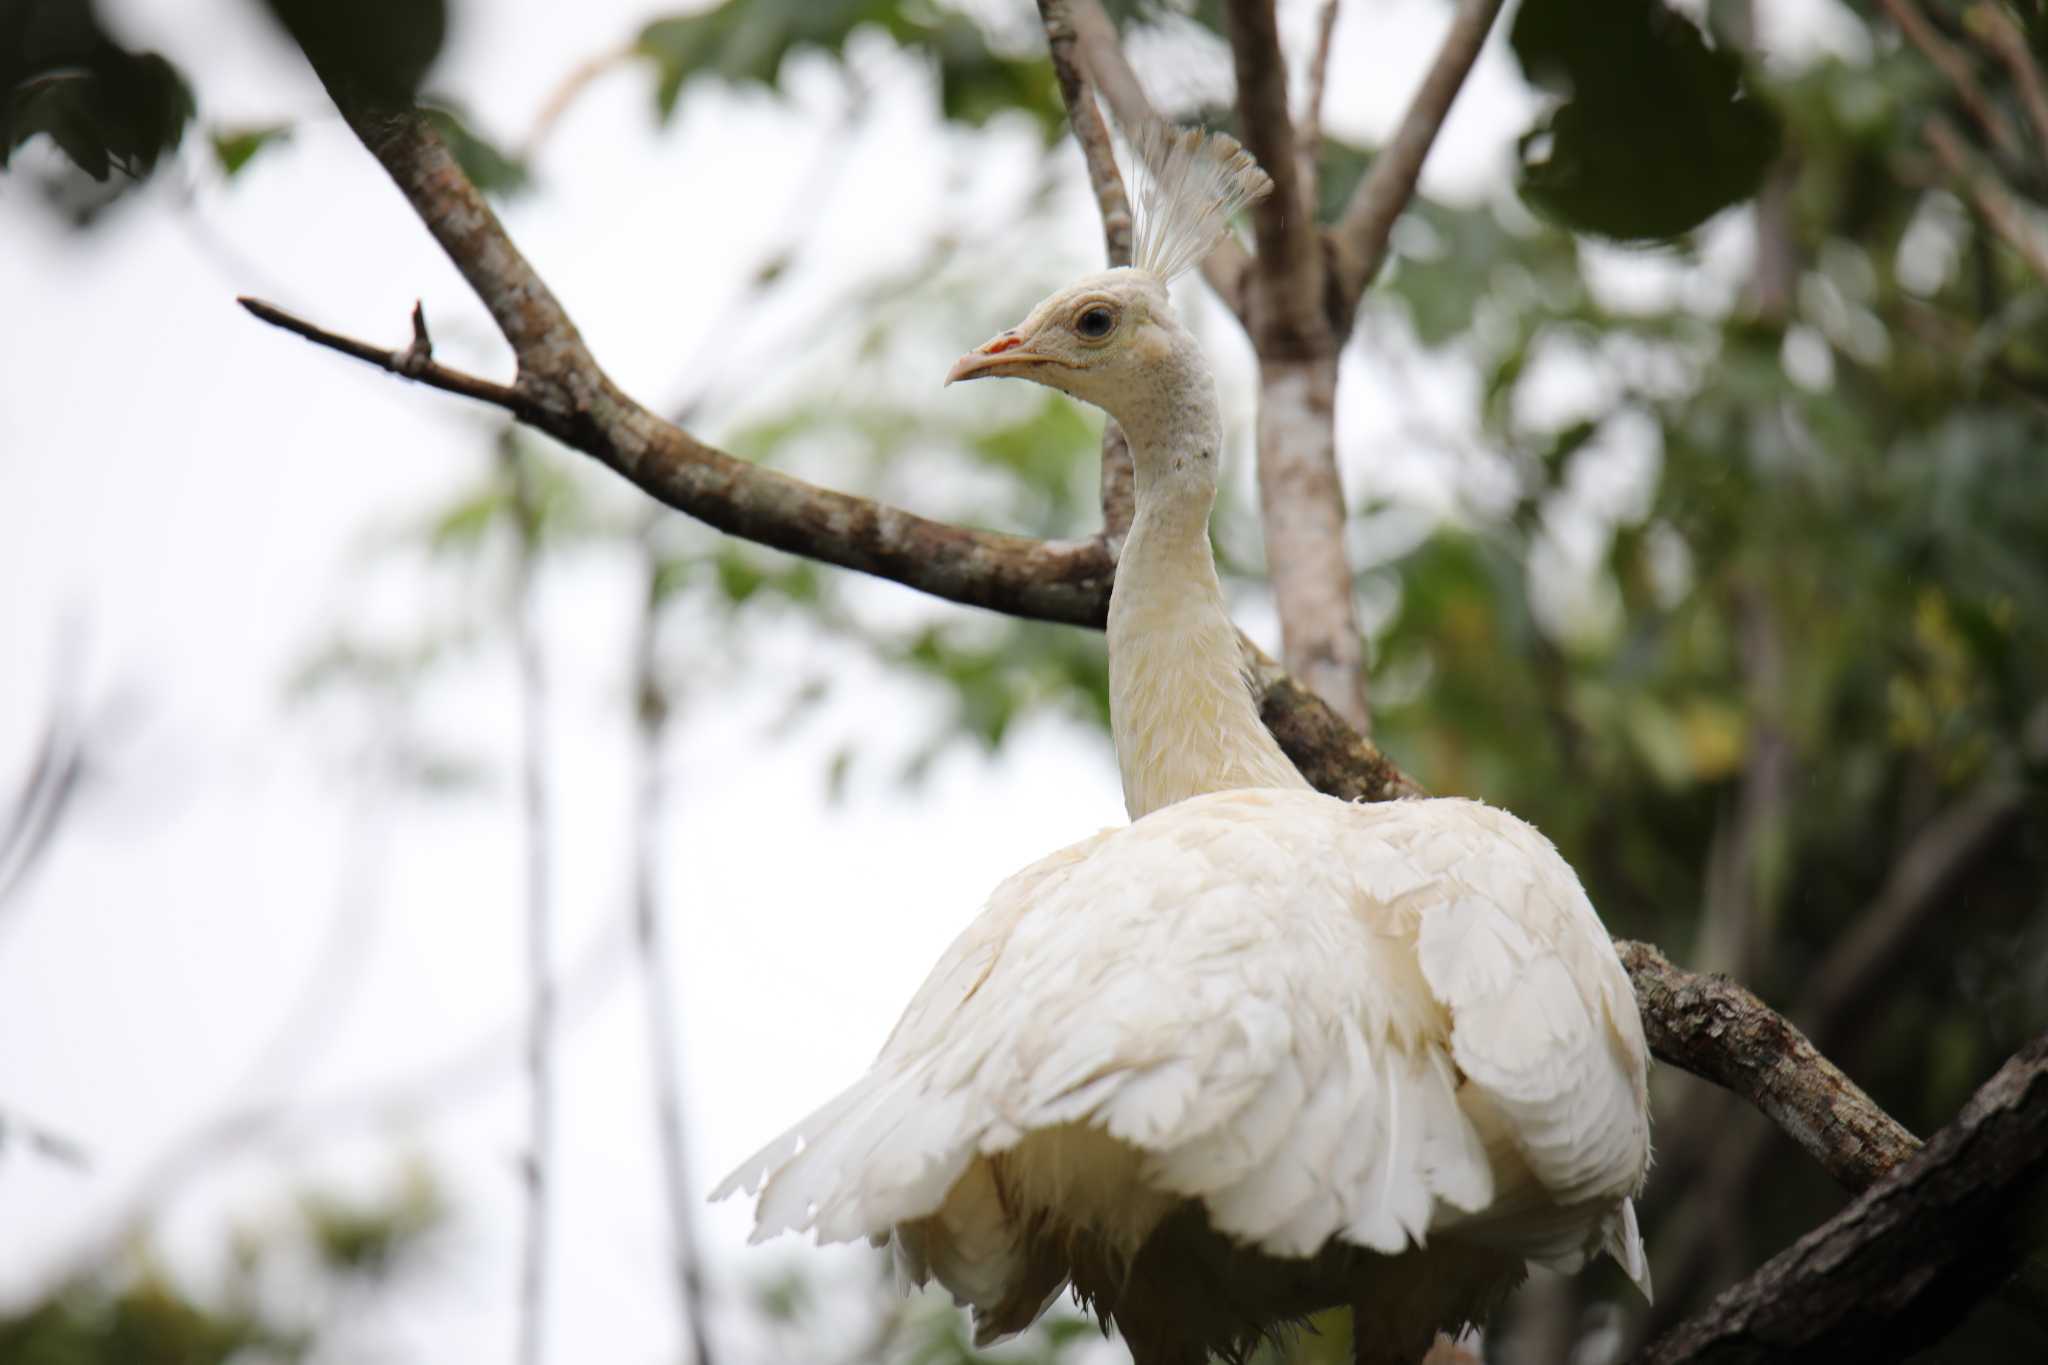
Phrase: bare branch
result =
(1722, 1033)
(1311, 151)
(405, 363)
(1997, 30)
(1301, 507)
(1368, 222)
(1953, 63)
(1089, 132)
(1288, 320)
(1093, 137)
(1908, 1257)
(1301, 498)
(1044, 580)
(1988, 194)
(1333, 755)
(1101, 53)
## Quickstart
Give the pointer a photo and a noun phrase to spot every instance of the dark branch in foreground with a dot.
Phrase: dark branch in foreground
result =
(1902, 1264)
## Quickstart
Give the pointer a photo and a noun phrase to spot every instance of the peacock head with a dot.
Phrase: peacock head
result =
(1110, 339)
(1096, 339)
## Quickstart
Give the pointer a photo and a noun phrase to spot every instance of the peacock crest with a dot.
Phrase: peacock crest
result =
(1185, 184)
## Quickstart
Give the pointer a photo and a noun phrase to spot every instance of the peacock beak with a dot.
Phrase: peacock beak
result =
(993, 357)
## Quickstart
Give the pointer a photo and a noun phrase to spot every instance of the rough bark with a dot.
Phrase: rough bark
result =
(1721, 1032)
(1301, 505)
(1301, 498)
(1898, 1267)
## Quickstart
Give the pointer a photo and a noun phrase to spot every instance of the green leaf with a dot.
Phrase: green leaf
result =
(106, 108)
(384, 46)
(1656, 131)
(234, 148)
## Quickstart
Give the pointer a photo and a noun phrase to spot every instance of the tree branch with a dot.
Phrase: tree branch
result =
(1311, 149)
(1998, 31)
(1301, 497)
(1988, 194)
(1954, 64)
(1722, 1033)
(1361, 235)
(1045, 580)
(1117, 481)
(1102, 55)
(1908, 1257)
(1089, 132)
(1287, 317)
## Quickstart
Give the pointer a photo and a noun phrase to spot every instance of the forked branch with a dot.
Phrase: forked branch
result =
(1361, 236)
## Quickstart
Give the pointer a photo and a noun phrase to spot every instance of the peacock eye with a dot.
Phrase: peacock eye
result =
(1095, 324)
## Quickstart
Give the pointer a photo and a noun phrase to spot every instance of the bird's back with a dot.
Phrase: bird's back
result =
(1316, 1034)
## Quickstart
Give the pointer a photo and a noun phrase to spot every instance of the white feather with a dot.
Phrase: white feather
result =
(1158, 1010)
(1185, 184)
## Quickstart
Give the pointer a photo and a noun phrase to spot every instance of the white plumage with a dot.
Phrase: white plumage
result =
(1260, 1052)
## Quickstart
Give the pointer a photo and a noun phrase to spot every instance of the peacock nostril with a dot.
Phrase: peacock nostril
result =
(1009, 341)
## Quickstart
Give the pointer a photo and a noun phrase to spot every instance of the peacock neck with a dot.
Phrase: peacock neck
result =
(1181, 708)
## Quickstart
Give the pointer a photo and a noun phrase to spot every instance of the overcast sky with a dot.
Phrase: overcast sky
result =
(186, 498)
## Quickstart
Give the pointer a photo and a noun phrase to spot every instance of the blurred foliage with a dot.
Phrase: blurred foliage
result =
(745, 41)
(109, 110)
(1655, 131)
(235, 148)
(385, 47)
(329, 1252)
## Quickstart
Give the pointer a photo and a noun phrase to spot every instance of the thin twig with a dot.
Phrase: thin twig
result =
(1997, 30)
(401, 363)
(540, 1068)
(1953, 63)
(1988, 194)
(652, 712)
(1289, 320)
(1368, 222)
(43, 1140)
(1089, 132)
(1312, 108)
(566, 92)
